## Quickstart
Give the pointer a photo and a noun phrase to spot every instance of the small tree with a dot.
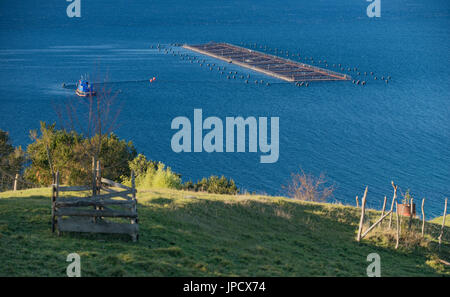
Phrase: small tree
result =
(213, 184)
(94, 117)
(59, 150)
(140, 164)
(11, 158)
(407, 197)
(308, 187)
(152, 174)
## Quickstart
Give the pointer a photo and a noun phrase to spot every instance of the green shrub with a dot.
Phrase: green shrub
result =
(213, 184)
(407, 197)
(11, 159)
(159, 176)
(151, 174)
(70, 154)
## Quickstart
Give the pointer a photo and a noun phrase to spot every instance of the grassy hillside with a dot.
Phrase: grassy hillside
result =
(438, 220)
(195, 234)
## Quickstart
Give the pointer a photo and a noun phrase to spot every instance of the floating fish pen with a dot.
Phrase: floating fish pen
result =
(278, 67)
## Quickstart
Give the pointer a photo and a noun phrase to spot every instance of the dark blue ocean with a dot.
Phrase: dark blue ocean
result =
(357, 135)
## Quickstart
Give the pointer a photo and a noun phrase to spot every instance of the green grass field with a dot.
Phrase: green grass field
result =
(438, 220)
(198, 234)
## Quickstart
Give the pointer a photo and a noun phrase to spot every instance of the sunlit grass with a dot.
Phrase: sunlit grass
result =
(199, 234)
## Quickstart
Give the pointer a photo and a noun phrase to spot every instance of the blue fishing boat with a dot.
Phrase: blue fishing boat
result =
(84, 89)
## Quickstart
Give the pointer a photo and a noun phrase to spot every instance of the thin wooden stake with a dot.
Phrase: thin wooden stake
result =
(357, 201)
(16, 178)
(98, 177)
(134, 236)
(98, 184)
(393, 201)
(361, 220)
(411, 208)
(55, 195)
(384, 208)
(94, 185)
(374, 225)
(53, 202)
(443, 224)
(423, 217)
(398, 225)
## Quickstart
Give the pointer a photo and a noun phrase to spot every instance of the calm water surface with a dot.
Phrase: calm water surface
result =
(358, 136)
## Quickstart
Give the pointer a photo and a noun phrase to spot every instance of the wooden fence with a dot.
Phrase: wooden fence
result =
(13, 182)
(378, 222)
(89, 214)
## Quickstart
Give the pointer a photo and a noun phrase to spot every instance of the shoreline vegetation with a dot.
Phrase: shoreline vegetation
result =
(206, 228)
(70, 153)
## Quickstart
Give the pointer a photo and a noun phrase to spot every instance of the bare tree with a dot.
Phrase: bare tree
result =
(47, 134)
(93, 116)
(308, 187)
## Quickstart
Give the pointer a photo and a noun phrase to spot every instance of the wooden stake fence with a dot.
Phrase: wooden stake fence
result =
(11, 181)
(88, 214)
(375, 224)
(362, 234)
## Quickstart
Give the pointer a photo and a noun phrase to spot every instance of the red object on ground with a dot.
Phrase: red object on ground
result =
(405, 210)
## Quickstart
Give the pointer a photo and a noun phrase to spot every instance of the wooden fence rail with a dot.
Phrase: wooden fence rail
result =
(89, 214)
(10, 181)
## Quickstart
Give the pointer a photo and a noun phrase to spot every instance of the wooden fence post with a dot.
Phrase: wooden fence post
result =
(411, 208)
(393, 201)
(98, 183)
(443, 224)
(384, 207)
(54, 197)
(423, 217)
(133, 185)
(374, 225)
(53, 203)
(357, 201)
(398, 225)
(98, 177)
(134, 236)
(94, 183)
(361, 220)
(16, 179)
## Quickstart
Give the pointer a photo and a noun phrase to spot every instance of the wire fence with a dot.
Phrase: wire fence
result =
(13, 182)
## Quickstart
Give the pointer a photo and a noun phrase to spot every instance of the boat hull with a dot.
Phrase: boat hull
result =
(85, 94)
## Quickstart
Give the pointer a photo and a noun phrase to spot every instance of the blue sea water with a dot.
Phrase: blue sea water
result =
(357, 135)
